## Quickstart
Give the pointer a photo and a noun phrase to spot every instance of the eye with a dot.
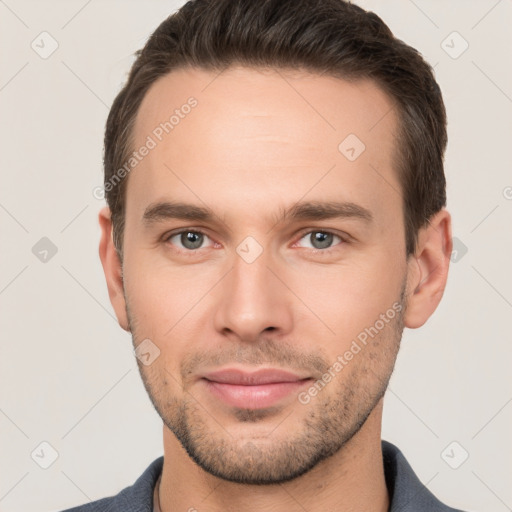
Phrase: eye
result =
(187, 239)
(320, 240)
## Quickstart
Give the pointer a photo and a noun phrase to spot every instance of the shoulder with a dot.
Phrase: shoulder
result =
(407, 493)
(135, 498)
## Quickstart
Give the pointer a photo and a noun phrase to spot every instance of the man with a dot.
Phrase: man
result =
(276, 216)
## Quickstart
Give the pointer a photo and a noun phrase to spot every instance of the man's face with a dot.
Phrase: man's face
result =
(248, 289)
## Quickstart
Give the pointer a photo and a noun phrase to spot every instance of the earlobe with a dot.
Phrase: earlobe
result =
(112, 268)
(428, 270)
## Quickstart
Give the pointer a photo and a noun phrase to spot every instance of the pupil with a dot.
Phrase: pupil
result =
(321, 240)
(191, 240)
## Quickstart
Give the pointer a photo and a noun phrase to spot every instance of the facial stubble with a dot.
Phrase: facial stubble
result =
(326, 424)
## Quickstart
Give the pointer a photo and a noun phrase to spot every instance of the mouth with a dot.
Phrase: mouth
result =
(253, 390)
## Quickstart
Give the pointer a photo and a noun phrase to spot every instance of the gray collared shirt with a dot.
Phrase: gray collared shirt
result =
(406, 492)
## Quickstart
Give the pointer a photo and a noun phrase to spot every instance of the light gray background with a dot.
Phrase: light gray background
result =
(68, 375)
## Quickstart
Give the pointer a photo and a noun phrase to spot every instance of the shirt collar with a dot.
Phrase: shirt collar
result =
(406, 492)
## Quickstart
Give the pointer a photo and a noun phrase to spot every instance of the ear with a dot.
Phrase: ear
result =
(428, 270)
(112, 268)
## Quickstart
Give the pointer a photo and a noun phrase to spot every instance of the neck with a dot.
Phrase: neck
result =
(350, 480)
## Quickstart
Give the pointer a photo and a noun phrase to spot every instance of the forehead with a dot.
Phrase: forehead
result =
(259, 136)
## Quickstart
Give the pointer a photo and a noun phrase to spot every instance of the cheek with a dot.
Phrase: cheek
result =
(161, 306)
(162, 297)
(346, 298)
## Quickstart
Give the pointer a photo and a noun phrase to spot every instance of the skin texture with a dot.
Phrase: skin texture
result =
(258, 142)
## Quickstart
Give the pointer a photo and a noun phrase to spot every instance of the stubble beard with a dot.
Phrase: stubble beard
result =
(326, 424)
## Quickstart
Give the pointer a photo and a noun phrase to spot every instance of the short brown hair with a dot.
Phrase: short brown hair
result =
(333, 37)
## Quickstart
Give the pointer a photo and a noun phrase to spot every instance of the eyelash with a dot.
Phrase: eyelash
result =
(302, 234)
(192, 252)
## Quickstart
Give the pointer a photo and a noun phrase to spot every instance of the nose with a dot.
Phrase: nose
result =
(252, 300)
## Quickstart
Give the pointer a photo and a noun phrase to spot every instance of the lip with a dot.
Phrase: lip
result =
(258, 377)
(253, 390)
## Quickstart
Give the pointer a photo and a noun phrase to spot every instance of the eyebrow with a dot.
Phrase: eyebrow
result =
(303, 211)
